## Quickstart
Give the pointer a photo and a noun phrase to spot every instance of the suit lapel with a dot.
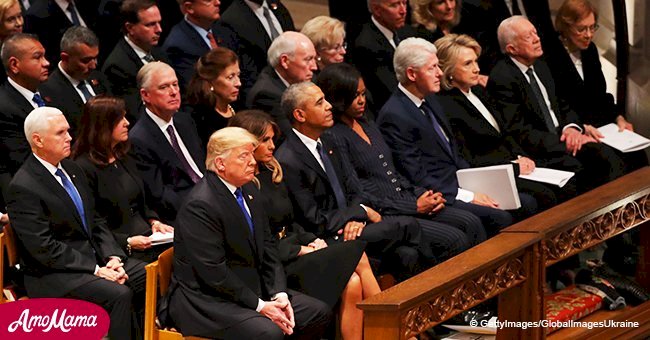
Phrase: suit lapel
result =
(193, 35)
(192, 145)
(130, 54)
(18, 99)
(258, 224)
(236, 213)
(257, 31)
(306, 155)
(48, 180)
(163, 143)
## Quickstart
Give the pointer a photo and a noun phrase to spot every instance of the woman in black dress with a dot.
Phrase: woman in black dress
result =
(321, 271)
(101, 151)
(212, 89)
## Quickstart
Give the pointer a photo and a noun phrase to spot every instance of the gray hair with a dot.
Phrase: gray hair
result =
(506, 32)
(411, 52)
(38, 121)
(222, 141)
(12, 46)
(293, 98)
(144, 75)
(285, 43)
(78, 35)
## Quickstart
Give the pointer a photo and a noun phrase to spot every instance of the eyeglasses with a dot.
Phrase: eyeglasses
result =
(584, 29)
(338, 47)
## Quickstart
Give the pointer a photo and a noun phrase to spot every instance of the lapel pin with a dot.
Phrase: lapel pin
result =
(94, 82)
(331, 152)
(47, 99)
(274, 6)
(250, 197)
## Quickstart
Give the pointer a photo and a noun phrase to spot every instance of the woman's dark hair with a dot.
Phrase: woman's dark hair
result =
(256, 122)
(207, 69)
(339, 83)
(100, 116)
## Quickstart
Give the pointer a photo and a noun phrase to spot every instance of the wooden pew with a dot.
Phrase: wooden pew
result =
(512, 266)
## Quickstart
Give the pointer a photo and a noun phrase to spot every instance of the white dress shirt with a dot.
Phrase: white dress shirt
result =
(29, 95)
(63, 4)
(75, 83)
(385, 31)
(163, 127)
(259, 13)
(478, 104)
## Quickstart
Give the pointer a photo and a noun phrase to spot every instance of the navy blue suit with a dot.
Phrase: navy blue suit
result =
(425, 160)
(165, 178)
(185, 46)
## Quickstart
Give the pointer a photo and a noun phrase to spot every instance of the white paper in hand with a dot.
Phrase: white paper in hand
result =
(625, 141)
(161, 238)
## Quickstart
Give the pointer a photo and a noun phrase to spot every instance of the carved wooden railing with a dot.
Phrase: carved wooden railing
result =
(512, 266)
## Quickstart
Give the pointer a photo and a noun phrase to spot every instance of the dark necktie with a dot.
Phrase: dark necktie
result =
(38, 100)
(181, 157)
(515, 8)
(396, 39)
(213, 43)
(74, 195)
(436, 126)
(148, 58)
(84, 90)
(540, 100)
(331, 176)
(73, 14)
(267, 16)
(240, 201)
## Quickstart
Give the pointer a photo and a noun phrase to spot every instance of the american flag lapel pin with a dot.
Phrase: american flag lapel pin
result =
(250, 197)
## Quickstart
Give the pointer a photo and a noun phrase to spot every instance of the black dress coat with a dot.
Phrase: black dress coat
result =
(120, 200)
(266, 95)
(184, 46)
(220, 268)
(57, 91)
(56, 253)
(165, 178)
(372, 54)
(121, 68)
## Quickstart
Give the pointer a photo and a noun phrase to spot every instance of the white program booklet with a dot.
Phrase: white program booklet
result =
(496, 181)
(550, 176)
(625, 141)
(161, 238)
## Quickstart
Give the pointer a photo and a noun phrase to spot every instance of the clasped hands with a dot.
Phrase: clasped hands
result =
(281, 313)
(113, 271)
(430, 202)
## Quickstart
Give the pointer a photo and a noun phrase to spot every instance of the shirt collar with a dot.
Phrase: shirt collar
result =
(523, 68)
(51, 168)
(74, 82)
(29, 95)
(417, 101)
(162, 124)
(138, 51)
(202, 31)
(309, 143)
(284, 81)
(230, 187)
(256, 7)
(385, 31)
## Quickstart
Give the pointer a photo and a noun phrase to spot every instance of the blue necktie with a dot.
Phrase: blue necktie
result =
(331, 176)
(73, 15)
(84, 90)
(240, 201)
(74, 195)
(436, 125)
(38, 100)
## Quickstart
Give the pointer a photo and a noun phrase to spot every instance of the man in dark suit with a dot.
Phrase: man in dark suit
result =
(49, 19)
(292, 59)
(195, 35)
(141, 26)
(414, 125)
(374, 47)
(65, 250)
(325, 201)
(165, 142)
(545, 126)
(228, 281)
(481, 19)
(75, 80)
(248, 20)
(23, 57)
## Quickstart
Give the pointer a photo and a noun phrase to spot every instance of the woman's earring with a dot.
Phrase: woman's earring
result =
(212, 88)
(451, 78)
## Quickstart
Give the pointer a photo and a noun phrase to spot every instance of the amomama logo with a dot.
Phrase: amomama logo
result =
(52, 319)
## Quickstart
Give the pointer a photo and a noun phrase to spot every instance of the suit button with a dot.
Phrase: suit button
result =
(398, 189)
(389, 172)
(384, 164)
(393, 180)
(381, 156)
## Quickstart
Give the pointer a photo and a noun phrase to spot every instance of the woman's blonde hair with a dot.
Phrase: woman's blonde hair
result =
(449, 48)
(324, 31)
(421, 14)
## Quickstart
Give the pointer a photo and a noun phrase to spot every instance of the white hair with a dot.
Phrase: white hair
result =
(506, 33)
(411, 52)
(285, 43)
(38, 121)
(222, 141)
